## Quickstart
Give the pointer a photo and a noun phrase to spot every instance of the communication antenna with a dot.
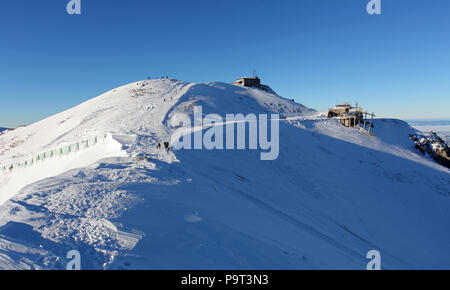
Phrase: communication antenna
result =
(254, 73)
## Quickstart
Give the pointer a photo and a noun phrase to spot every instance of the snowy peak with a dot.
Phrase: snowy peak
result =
(99, 181)
(139, 107)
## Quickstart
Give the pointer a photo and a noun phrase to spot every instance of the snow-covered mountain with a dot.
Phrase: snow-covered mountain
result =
(105, 190)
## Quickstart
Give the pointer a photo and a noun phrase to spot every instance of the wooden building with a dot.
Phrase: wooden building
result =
(253, 82)
(353, 117)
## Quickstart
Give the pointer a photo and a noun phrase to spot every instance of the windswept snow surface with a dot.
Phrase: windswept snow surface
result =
(17, 179)
(331, 196)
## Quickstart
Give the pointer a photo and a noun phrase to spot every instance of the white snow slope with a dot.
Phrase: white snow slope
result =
(331, 196)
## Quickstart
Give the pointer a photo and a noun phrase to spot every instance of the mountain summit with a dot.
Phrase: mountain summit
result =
(94, 179)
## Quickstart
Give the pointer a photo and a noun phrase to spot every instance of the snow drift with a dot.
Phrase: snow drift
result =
(331, 196)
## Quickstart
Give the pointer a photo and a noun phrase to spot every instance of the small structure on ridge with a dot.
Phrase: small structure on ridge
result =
(353, 117)
(253, 82)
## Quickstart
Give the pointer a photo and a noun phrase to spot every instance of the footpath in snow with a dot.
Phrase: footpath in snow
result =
(332, 195)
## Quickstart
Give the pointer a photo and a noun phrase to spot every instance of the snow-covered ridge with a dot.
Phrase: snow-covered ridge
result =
(140, 107)
(331, 196)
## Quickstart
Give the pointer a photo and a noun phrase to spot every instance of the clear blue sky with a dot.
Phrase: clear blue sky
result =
(317, 52)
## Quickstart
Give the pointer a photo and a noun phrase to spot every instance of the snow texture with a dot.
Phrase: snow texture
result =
(332, 195)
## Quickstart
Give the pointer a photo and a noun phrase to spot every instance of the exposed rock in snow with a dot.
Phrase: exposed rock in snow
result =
(434, 146)
(3, 130)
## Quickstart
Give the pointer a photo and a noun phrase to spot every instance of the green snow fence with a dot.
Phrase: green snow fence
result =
(66, 150)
